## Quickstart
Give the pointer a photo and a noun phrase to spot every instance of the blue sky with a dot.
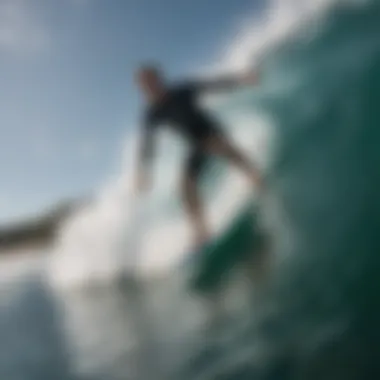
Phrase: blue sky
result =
(67, 91)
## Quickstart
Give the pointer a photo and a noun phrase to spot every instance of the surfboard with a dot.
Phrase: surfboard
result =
(214, 262)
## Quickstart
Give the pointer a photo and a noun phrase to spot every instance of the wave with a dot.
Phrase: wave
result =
(101, 240)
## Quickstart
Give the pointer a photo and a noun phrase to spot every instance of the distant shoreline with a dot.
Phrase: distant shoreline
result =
(26, 248)
(36, 232)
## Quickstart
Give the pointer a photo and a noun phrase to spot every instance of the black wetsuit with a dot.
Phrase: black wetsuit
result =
(180, 111)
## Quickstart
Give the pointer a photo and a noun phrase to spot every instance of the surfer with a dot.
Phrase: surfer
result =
(177, 106)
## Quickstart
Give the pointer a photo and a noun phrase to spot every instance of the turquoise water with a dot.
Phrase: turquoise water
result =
(318, 319)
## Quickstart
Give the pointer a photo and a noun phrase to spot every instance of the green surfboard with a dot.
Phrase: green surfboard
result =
(241, 239)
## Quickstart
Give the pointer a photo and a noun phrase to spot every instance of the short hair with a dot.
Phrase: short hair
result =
(151, 67)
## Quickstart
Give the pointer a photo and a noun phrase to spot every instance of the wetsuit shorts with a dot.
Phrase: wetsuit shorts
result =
(198, 158)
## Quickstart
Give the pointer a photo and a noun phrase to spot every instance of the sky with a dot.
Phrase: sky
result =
(67, 94)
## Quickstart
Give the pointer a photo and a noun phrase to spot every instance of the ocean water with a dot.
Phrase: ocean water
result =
(71, 316)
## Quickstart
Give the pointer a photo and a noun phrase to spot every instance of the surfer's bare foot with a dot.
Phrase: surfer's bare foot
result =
(257, 181)
(201, 239)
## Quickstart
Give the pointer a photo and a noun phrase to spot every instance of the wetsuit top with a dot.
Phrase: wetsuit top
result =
(180, 111)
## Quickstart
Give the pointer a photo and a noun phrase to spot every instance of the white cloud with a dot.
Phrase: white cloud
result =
(21, 30)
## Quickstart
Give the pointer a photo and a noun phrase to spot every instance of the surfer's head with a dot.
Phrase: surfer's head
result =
(150, 80)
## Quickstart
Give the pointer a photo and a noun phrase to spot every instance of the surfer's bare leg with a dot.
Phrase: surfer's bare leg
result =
(220, 145)
(194, 207)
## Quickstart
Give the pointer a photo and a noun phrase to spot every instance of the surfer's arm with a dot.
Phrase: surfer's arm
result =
(226, 83)
(145, 156)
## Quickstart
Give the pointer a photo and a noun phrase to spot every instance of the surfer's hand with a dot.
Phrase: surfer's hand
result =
(142, 183)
